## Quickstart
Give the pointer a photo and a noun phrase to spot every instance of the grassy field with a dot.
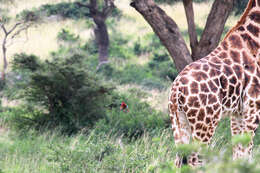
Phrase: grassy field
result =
(108, 147)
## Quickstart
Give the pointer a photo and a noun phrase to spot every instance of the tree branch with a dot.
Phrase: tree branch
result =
(25, 27)
(80, 4)
(166, 29)
(13, 28)
(188, 6)
(108, 8)
(3, 28)
(211, 35)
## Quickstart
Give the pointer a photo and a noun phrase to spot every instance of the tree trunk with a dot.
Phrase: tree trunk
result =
(102, 41)
(4, 59)
(188, 7)
(166, 29)
(211, 35)
(170, 36)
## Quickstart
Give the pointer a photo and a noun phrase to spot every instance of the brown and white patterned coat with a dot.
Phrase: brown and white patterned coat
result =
(226, 82)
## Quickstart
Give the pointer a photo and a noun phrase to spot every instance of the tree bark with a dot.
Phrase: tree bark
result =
(170, 36)
(101, 33)
(4, 59)
(166, 29)
(102, 38)
(188, 7)
(213, 30)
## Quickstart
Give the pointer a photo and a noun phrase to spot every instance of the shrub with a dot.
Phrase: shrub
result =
(25, 62)
(65, 35)
(139, 118)
(72, 96)
(119, 48)
(65, 9)
(133, 74)
(162, 67)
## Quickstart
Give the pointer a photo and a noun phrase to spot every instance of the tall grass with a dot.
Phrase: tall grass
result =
(99, 152)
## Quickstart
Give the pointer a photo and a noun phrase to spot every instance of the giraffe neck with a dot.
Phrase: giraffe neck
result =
(242, 43)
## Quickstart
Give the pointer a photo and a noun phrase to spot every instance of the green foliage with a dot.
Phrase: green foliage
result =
(71, 94)
(243, 139)
(66, 36)
(162, 66)
(2, 85)
(65, 9)
(4, 16)
(29, 16)
(139, 117)
(120, 46)
(26, 62)
(240, 6)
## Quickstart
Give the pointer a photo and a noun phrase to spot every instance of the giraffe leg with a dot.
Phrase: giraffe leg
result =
(203, 132)
(182, 134)
(241, 124)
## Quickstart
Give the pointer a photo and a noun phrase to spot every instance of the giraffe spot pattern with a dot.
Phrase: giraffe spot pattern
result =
(235, 41)
(203, 99)
(205, 67)
(193, 101)
(192, 113)
(254, 90)
(227, 61)
(194, 87)
(223, 82)
(224, 45)
(201, 115)
(204, 87)
(214, 72)
(212, 99)
(255, 16)
(238, 70)
(235, 56)
(199, 76)
(212, 87)
(233, 80)
(223, 55)
(227, 70)
(251, 44)
(209, 110)
(184, 80)
(253, 29)
(241, 28)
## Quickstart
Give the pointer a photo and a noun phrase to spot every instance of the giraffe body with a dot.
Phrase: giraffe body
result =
(224, 83)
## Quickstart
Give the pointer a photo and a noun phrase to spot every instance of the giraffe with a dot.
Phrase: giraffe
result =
(224, 83)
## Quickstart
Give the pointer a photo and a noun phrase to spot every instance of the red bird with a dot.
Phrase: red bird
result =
(124, 107)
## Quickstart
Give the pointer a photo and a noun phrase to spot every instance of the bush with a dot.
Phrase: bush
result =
(70, 95)
(139, 118)
(162, 67)
(119, 48)
(25, 62)
(66, 36)
(65, 9)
